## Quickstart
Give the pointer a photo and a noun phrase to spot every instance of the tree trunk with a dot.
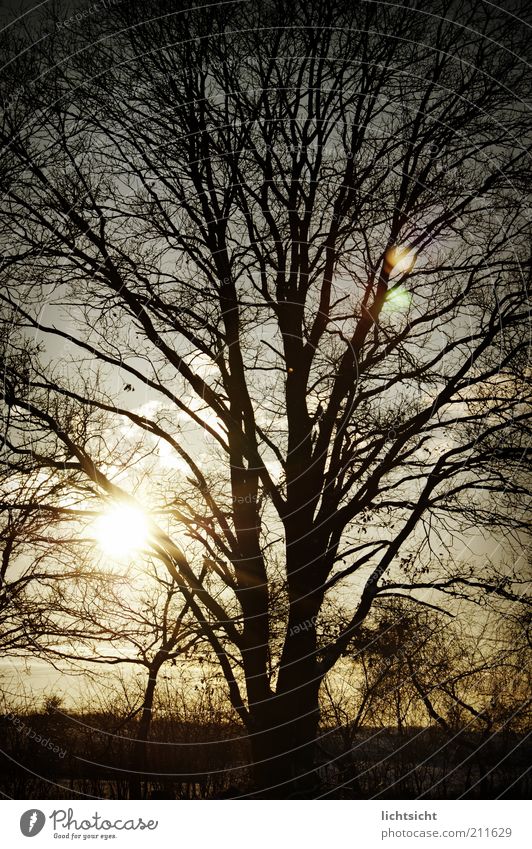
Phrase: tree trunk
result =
(140, 761)
(283, 744)
(284, 726)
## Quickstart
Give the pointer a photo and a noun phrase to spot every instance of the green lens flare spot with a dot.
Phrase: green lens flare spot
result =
(397, 300)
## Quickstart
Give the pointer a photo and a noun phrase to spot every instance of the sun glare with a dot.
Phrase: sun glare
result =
(400, 260)
(121, 530)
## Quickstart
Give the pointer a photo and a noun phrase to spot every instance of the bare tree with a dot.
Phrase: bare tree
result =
(415, 664)
(302, 230)
(133, 618)
(63, 602)
(29, 528)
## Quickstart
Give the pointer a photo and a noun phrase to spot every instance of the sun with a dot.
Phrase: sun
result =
(121, 530)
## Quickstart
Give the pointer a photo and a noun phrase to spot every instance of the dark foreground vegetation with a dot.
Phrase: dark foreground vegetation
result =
(206, 761)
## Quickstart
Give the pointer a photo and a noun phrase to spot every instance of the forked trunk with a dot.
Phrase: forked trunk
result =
(284, 726)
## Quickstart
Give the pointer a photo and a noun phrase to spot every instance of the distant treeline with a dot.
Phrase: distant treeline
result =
(62, 755)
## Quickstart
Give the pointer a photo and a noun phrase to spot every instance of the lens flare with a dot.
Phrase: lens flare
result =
(398, 299)
(399, 260)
